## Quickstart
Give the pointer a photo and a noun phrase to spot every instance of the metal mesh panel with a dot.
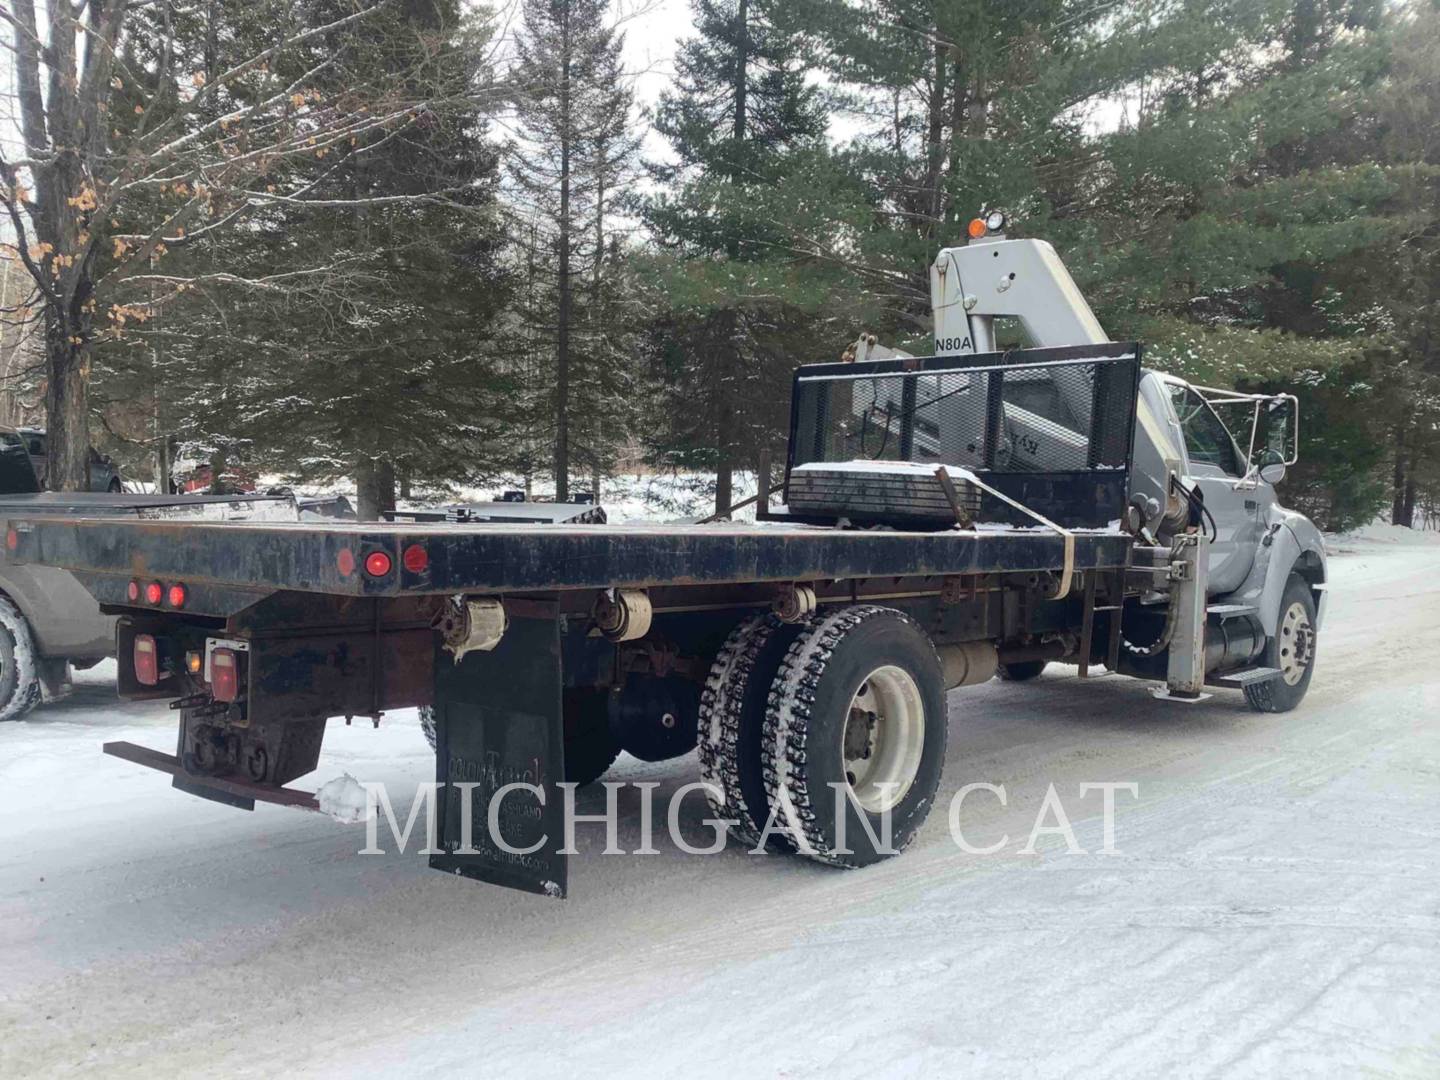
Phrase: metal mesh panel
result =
(1038, 415)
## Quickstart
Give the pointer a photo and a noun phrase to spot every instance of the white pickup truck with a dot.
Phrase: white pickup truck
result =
(49, 622)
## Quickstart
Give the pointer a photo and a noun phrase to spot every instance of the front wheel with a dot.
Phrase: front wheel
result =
(1291, 650)
(19, 671)
(854, 738)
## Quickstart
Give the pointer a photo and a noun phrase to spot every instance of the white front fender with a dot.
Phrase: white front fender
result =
(1292, 544)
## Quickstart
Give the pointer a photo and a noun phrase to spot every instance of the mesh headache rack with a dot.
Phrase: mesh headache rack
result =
(1050, 428)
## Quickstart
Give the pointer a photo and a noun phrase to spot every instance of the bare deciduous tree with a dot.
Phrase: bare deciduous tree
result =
(119, 121)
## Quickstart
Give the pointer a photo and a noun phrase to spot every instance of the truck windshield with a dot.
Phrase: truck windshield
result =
(1207, 439)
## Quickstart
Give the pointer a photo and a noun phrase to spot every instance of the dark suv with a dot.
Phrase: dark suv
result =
(103, 474)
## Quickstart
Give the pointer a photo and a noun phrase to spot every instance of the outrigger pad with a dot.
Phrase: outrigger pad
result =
(498, 722)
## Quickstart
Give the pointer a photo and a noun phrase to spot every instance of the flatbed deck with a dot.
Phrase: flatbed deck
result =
(110, 504)
(477, 558)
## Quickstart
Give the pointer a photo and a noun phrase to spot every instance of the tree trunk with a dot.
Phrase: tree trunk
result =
(740, 122)
(727, 332)
(212, 41)
(598, 316)
(724, 484)
(563, 316)
(384, 487)
(724, 417)
(959, 130)
(977, 113)
(367, 492)
(742, 63)
(164, 456)
(218, 467)
(57, 121)
(67, 409)
(1303, 33)
(934, 146)
(898, 131)
(1402, 510)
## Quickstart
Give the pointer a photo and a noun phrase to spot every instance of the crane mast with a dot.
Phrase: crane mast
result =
(993, 277)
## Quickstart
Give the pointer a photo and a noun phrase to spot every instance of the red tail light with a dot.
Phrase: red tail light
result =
(345, 562)
(154, 593)
(416, 558)
(146, 659)
(224, 675)
(12, 538)
(177, 595)
(377, 563)
(132, 591)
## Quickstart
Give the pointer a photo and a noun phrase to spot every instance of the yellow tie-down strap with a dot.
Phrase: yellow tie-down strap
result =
(1068, 573)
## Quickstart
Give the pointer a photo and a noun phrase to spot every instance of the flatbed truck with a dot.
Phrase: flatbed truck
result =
(945, 519)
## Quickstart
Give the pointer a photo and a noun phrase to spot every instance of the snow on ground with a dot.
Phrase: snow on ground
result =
(1274, 909)
(629, 497)
(1381, 533)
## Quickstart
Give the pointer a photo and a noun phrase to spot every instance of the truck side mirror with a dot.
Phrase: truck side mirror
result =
(1271, 465)
(1281, 429)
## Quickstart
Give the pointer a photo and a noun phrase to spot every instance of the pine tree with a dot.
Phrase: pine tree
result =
(741, 102)
(344, 332)
(574, 154)
(607, 379)
(121, 121)
(1209, 171)
(1387, 296)
(741, 121)
(421, 396)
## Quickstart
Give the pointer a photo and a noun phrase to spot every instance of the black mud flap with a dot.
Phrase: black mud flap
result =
(499, 722)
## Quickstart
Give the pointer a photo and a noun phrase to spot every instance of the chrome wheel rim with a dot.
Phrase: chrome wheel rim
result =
(884, 739)
(1296, 643)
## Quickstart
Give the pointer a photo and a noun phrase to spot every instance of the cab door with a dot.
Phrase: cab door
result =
(1215, 465)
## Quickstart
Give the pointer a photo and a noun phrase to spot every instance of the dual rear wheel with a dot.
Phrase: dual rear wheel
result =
(825, 736)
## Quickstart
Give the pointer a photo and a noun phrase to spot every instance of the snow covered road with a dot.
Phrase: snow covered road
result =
(1274, 908)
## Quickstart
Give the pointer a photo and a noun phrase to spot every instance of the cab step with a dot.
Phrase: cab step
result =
(1230, 611)
(1238, 680)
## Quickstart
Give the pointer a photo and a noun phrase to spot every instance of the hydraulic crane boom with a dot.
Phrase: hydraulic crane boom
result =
(992, 277)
